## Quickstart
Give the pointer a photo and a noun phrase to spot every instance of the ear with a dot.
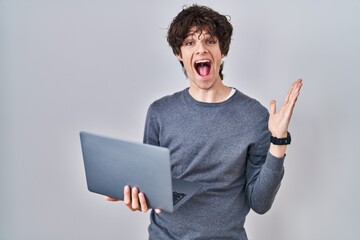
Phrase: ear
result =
(178, 56)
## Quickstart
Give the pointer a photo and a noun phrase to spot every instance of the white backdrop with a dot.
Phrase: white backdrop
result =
(67, 66)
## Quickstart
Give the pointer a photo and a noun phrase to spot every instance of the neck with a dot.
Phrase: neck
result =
(212, 95)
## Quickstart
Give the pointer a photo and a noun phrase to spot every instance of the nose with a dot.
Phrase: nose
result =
(201, 48)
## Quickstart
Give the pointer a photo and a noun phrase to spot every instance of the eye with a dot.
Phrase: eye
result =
(188, 43)
(211, 41)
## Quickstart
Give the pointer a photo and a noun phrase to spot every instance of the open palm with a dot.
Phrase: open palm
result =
(279, 121)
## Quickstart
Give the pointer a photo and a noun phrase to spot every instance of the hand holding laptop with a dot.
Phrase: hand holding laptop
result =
(134, 200)
(113, 163)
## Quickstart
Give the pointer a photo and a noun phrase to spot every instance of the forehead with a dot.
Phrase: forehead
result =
(194, 31)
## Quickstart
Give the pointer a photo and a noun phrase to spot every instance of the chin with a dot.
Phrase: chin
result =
(204, 84)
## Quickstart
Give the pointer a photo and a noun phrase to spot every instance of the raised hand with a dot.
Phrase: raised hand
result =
(279, 121)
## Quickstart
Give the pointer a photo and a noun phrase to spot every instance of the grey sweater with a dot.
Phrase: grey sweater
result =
(224, 146)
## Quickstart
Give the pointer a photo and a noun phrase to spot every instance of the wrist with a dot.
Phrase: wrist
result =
(279, 135)
(281, 140)
(277, 151)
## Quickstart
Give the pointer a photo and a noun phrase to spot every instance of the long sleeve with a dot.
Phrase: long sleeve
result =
(151, 131)
(264, 173)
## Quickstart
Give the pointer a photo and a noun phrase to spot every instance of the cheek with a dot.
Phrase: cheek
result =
(187, 62)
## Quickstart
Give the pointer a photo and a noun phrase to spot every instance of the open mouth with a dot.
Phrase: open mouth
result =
(203, 67)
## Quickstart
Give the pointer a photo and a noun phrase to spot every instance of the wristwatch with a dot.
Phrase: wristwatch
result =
(281, 141)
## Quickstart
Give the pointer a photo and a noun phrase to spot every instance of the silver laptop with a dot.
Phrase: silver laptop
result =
(111, 163)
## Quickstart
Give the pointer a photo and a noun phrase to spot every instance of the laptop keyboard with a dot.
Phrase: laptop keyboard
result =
(177, 197)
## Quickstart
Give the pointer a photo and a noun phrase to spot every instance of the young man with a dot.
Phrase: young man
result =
(217, 136)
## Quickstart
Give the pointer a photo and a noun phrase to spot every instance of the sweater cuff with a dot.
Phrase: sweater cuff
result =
(273, 163)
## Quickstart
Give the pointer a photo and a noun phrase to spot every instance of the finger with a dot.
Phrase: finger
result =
(111, 199)
(289, 107)
(291, 104)
(158, 210)
(297, 84)
(273, 107)
(134, 198)
(127, 197)
(143, 203)
(289, 92)
(296, 91)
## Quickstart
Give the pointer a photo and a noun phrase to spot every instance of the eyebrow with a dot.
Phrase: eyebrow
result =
(191, 34)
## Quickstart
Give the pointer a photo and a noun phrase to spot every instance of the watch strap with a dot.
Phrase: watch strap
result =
(281, 141)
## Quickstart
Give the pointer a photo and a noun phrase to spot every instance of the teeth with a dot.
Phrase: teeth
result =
(202, 61)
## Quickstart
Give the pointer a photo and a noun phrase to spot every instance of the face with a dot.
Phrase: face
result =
(201, 56)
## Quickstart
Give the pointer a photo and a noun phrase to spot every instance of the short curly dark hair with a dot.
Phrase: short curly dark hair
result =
(203, 18)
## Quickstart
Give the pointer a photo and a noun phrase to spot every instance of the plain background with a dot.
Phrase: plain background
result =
(67, 66)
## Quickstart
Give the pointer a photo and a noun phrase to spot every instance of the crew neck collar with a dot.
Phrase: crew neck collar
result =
(229, 98)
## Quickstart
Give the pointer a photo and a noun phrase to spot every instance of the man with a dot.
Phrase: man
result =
(217, 136)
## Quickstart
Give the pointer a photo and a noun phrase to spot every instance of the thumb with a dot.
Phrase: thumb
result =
(272, 107)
